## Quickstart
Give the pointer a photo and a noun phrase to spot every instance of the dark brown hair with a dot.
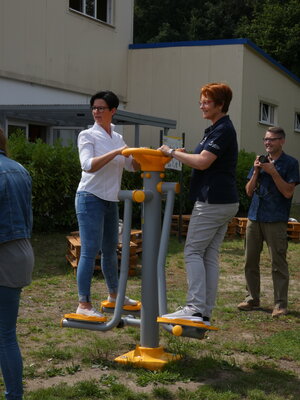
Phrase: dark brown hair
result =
(111, 99)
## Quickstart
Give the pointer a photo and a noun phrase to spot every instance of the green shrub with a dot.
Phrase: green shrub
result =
(56, 172)
(245, 162)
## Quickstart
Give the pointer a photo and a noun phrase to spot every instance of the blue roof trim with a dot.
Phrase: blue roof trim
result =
(217, 42)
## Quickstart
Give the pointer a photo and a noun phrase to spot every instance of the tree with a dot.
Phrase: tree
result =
(275, 27)
(180, 20)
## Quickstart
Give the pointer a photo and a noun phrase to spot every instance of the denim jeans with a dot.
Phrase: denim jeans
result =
(98, 222)
(207, 228)
(10, 356)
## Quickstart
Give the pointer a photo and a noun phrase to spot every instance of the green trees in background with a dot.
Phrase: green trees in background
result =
(273, 25)
(55, 172)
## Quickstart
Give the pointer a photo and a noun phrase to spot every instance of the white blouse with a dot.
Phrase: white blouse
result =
(106, 182)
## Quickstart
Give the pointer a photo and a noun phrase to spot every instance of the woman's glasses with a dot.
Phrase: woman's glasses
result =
(100, 108)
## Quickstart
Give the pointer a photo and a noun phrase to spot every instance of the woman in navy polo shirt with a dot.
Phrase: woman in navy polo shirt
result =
(214, 191)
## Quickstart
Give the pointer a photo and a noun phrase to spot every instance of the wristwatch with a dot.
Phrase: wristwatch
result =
(170, 152)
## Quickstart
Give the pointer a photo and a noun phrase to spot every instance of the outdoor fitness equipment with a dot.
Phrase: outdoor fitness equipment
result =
(153, 283)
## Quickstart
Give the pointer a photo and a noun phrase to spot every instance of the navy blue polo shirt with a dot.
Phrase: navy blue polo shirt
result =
(268, 204)
(217, 184)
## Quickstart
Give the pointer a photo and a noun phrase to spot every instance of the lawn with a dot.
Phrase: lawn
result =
(250, 357)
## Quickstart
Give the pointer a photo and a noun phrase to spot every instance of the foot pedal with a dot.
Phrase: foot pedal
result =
(86, 318)
(109, 307)
(186, 322)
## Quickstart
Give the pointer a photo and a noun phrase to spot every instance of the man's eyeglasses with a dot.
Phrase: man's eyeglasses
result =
(100, 109)
(205, 102)
(271, 139)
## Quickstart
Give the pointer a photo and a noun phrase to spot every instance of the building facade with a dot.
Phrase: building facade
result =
(165, 79)
(59, 52)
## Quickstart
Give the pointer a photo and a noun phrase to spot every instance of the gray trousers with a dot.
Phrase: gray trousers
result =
(275, 235)
(207, 228)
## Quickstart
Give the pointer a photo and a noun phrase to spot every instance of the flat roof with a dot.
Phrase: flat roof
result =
(76, 115)
(218, 42)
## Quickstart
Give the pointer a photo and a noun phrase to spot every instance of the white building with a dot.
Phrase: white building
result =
(56, 53)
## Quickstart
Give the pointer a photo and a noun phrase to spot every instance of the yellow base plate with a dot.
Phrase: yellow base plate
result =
(185, 322)
(149, 358)
(108, 304)
(81, 317)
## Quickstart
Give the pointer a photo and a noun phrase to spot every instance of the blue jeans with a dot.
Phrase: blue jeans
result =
(98, 222)
(10, 356)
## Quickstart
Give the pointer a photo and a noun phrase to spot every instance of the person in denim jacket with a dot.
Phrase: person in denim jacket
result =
(16, 263)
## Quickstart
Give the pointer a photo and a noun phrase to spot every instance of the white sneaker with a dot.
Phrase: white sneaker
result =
(89, 313)
(186, 312)
(127, 301)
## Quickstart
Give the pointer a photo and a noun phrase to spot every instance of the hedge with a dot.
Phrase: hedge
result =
(56, 172)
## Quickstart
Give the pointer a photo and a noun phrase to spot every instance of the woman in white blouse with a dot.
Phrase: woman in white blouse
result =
(100, 148)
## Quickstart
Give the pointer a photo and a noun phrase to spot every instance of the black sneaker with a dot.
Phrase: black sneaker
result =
(206, 321)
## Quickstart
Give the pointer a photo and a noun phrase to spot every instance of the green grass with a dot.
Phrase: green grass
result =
(250, 357)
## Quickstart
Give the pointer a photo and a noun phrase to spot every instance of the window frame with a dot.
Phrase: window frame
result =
(268, 109)
(18, 124)
(297, 122)
(109, 11)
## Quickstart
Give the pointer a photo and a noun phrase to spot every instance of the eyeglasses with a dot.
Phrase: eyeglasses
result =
(100, 109)
(271, 139)
(205, 103)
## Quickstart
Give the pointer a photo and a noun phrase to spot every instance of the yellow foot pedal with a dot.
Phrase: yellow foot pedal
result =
(82, 317)
(185, 322)
(109, 306)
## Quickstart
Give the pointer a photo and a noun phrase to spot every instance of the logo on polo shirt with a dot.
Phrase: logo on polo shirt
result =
(214, 145)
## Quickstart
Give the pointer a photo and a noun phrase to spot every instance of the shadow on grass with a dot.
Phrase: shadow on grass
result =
(223, 376)
(268, 381)
(50, 254)
(295, 314)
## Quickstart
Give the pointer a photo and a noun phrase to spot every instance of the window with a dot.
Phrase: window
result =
(297, 122)
(17, 129)
(98, 9)
(267, 113)
(67, 135)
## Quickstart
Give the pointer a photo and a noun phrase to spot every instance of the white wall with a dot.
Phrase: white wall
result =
(43, 42)
(262, 81)
(18, 92)
(166, 82)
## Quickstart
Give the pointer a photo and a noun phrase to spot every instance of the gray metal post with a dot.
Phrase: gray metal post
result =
(168, 188)
(136, 136)
(151, 239)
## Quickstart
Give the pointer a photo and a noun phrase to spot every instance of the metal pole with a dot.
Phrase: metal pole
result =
(180, 196)
(136, 136)
(151, 239)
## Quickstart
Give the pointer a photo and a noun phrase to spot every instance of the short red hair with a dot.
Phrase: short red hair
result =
(220, 93)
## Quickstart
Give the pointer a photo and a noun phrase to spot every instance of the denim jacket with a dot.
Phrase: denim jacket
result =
(15, 200)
